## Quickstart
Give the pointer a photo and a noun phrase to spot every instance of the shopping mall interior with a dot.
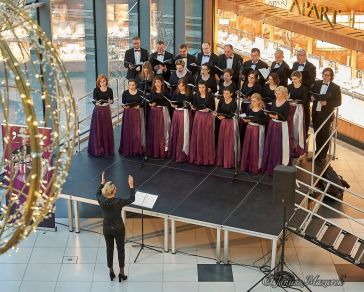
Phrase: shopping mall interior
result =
(211, 228)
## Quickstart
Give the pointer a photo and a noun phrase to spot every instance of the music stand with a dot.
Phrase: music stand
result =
(237, 116)
(144, 201)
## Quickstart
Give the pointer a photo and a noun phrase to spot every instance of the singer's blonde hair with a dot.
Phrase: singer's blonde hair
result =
(109, 190)
(284, 90)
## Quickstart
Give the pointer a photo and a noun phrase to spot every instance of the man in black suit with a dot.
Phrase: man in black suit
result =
(280, 67)
(134, 58)
(323, 105)
(186, 57)
(229, 60)
(307, 69)
(255, 64)
(207, 56)
(161, 55)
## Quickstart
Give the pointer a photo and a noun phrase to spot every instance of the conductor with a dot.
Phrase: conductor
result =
(113, 225)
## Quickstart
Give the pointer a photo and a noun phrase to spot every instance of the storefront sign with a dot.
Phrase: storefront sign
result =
(320, 12)
(284, 4)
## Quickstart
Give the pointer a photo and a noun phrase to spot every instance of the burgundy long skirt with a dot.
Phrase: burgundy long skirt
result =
(131, 133)
(251, 158)
(296, 149)
(177, 136)
(272, 154)
(225, 146)
(156, 145)
(101, 140)
(202, 144)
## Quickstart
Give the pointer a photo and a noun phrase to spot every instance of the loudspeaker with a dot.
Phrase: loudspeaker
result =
(284, 184)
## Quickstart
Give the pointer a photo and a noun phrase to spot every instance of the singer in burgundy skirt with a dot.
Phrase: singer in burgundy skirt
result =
(252, 152)
(179, 136)
(159, 120)
(228, 146)
(101, 140)
(276, 145)
(132, 140)
(202, 144)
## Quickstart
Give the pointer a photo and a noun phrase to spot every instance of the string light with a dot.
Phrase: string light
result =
(32, 74)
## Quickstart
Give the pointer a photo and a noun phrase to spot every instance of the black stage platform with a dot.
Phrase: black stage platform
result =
(201, 193)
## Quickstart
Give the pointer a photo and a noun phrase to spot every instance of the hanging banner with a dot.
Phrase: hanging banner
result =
(18, 164)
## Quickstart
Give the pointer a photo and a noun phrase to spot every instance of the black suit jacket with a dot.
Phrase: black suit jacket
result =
(237, 63)
(129, 58)
(259, 65)
(309, 77)
(167, 56)
(283, 72)
(333, 98)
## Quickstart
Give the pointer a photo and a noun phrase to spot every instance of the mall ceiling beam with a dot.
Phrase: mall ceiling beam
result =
(340, 35)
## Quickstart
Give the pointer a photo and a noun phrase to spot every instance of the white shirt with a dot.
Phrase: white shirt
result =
(229, 62)
(185, 60)
(277, 65)
(323, 90)
(205, 59)
(160, 57)
(137, 56)
(301, 67)
(254, 65)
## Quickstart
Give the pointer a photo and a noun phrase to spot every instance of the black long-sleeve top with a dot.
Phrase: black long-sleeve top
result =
(111, 208)
(159, 99)
(143, 84)
(258, 117)
(227, 109)
(181, 97)
(127, 97)
(300, 93)
(211, 83)
(282, 110)
(200, 103)
(268, 94)
(249, 91)
(98, 94)
(233, 86)
(173, 80)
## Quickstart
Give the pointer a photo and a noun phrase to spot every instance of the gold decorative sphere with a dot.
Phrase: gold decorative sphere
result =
(36, 94)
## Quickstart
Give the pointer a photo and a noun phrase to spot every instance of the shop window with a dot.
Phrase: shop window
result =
(194, 25)
(74, 37)
(122, 26)
(162, 24)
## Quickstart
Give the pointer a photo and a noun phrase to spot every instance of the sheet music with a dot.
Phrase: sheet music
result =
(265, 72)
(145, 200)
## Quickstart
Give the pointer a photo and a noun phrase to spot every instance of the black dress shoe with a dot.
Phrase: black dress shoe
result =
(112, 276)
(122, 277)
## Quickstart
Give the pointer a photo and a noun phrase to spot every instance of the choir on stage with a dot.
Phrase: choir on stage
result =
(215, 110)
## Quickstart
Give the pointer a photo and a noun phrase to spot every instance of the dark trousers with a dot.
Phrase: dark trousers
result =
(323, 134)
(117, 234)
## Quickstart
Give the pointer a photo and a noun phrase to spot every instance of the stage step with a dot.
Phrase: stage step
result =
(330, 236)
(359, 258)
(298, 218)
(347, 244)
(314, 227)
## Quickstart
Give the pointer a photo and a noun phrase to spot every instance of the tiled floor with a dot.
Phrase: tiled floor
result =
(63, 261)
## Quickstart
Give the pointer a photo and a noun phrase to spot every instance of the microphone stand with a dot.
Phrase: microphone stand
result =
(145, 157)
(237, 116)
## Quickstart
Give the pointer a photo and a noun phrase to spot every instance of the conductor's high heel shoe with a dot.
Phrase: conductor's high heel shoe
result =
(112, 276)
(122, 277)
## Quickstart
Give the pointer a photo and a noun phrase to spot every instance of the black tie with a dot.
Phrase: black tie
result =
(160, 55)
(208, 56)
(137, 50)
(229, 58)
